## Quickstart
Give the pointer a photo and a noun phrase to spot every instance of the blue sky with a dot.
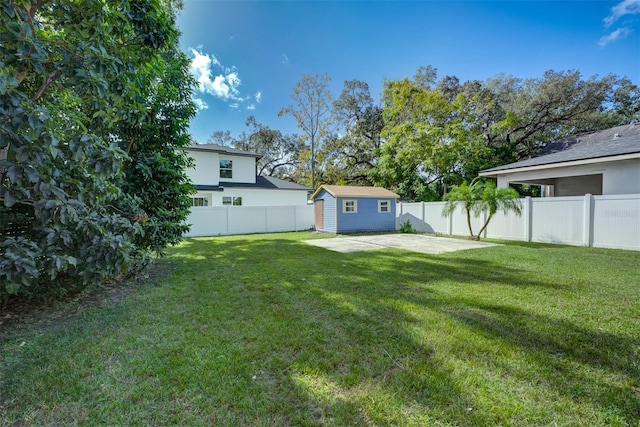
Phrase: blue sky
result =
(248, 55)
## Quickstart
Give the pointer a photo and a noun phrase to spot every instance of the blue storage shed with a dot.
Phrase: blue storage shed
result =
(348, 209)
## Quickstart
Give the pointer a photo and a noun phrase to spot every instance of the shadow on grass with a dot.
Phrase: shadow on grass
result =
(564, 356)
(339, 287)
(275, 332)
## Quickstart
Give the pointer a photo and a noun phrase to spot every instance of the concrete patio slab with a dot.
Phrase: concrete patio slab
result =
(411, 242)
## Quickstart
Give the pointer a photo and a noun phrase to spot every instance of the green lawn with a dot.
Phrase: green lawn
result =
(267, 331)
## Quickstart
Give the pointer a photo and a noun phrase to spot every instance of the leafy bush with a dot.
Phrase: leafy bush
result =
(82, 112)
(406, 227)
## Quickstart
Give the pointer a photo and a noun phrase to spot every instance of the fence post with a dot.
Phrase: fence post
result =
(527, 219)
(587, 221)
(266, 218)
(228, 231)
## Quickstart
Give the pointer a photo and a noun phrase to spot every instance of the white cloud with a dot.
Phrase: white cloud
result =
(251, 107)
(620, 33)
(200, 104)
(224, 85)
(285, 59)
(218, 80)
(626, 7)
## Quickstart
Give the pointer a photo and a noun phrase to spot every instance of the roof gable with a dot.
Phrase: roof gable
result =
(355, 191)
(617, 141)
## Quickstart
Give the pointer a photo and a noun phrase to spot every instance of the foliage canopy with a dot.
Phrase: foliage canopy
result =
(481, 197)
(94, 100)
(429, 134)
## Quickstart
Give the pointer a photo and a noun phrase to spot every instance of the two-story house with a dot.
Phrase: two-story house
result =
(226, 176)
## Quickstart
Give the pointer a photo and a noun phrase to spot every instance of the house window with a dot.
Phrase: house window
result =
(226, 169)
(199, 201)
(350, 206)
(384, 206)
(231, 201)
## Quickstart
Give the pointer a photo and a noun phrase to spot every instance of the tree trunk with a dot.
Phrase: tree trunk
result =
(486, 223)
(469, 223)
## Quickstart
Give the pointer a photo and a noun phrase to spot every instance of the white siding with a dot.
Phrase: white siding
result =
(623, 179)
(206, 170)
(244, 169)
(618, 177)
(257, 196)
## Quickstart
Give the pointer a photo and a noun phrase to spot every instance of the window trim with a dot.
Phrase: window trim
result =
(345, 202)
(227, 169)
(203, 200)
(233, 201)
(388, 204)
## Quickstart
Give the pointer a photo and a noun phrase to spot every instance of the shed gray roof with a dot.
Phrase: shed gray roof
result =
(221, 149)
(615, 141)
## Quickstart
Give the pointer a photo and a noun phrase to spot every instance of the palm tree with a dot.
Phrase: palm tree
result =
(480, 197)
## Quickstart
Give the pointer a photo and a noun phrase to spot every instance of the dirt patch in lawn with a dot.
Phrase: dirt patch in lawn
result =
(24, 316)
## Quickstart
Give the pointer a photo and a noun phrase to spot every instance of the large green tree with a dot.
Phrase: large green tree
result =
(441, 132)
(280, 152)
(350, 157)
(428, 140)
(75, 100)
(528, 114)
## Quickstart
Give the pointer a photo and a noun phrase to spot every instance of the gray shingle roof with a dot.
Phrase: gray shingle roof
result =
(220, 149)
(267, 182)
(605, 143)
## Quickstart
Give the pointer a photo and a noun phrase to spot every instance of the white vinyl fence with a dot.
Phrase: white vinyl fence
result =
(224, 220)
(598, 221)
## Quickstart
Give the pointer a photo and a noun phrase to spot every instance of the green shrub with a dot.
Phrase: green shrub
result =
(406, 227)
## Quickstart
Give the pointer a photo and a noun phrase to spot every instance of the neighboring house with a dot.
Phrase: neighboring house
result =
(599, 163)
(225, 176)
(346, 209)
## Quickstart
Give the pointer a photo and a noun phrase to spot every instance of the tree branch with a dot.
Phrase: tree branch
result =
(45, 85)
(3, 156)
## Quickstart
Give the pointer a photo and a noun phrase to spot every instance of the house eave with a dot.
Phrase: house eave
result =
(221, 151)
(204, 187)
(496, 173)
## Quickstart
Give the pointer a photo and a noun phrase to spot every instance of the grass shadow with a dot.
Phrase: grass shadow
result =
(266, 330)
